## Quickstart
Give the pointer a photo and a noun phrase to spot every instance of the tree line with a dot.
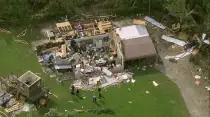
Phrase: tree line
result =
(192, 13)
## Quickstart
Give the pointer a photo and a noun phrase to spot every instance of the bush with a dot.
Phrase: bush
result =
(195, 59)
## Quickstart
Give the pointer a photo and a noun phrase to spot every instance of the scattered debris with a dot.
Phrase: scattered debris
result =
(197, 82)
(155, 83)
(155, 22)
(71, 101)
(147, 92)
(130, 102)
(197, 77)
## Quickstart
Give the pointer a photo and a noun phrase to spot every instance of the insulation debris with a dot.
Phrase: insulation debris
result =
(155, 83)
(173, 40)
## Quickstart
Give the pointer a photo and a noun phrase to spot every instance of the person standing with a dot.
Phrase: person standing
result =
(99, 93)
(94, 99)
(72, 89)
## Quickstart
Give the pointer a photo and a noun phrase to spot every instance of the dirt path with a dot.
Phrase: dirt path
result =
(182, 73)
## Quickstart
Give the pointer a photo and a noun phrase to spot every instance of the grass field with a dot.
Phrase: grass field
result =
(163, 101)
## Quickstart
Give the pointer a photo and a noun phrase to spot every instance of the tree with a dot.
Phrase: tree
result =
(54, 113)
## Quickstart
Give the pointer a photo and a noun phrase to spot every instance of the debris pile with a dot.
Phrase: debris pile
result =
(83, 50)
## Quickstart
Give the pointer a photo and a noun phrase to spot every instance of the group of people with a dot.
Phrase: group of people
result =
(72, 91)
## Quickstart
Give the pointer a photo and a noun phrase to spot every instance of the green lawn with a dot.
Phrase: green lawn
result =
(163, 101)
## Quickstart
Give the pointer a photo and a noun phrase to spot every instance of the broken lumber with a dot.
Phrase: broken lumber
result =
(14, 108)
(138, 21)
(23, 33)
(79, 111)
(21, 41)
(4, 30)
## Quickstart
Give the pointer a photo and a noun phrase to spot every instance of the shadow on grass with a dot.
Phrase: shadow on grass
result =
(97, 104)
(149, 71)
(44, 109)
(79, 97)
(100, 111)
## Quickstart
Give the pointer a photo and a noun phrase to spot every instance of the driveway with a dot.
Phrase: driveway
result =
(182, 73)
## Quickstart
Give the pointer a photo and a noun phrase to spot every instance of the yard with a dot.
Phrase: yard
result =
(162, 101)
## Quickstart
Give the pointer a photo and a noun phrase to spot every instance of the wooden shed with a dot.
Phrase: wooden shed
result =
(135, 42)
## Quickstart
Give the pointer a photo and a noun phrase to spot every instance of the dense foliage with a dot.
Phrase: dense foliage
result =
(192, 13)
(18, 11)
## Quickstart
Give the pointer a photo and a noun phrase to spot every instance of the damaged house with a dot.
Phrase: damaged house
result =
(133, 42)
(96, 53)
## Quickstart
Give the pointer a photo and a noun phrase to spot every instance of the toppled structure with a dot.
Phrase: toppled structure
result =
(30, 86)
